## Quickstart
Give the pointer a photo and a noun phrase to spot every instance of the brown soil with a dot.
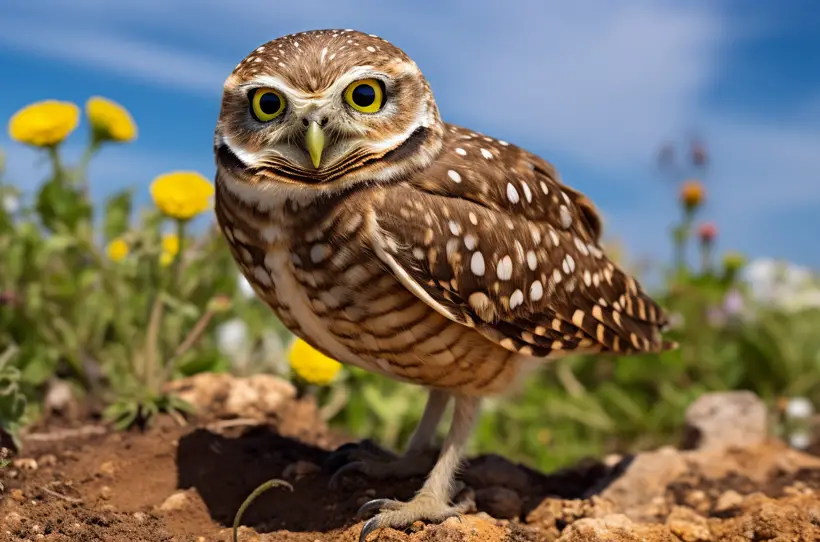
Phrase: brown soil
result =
(171, 482)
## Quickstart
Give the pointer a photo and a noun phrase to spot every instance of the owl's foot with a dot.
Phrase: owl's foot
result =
(376, 463)
(399, 515)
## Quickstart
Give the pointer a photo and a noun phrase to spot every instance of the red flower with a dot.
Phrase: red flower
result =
(707, 232)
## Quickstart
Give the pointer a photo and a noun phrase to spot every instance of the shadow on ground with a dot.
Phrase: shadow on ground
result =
(225, 470)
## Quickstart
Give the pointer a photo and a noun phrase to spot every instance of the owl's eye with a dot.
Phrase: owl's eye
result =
(366, 95)
(266, 104)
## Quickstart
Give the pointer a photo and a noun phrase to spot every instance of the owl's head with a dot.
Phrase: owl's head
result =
(323, 109)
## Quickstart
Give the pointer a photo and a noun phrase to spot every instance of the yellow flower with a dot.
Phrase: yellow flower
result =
(182, 194)
(170, 243)
(311, 364)
(44, 123)
(110, 120)
(117, 249)
(170, 248)
(165, 259)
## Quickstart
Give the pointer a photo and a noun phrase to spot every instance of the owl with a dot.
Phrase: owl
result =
(393, 241)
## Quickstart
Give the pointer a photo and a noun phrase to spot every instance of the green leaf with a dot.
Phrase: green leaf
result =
(117, 215)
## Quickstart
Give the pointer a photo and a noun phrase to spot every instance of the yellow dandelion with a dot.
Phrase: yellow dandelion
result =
(109, 120)
(45, 123)
(170, 243)
(311, 364)
(166, 258)
(182, 194)
(117, 250)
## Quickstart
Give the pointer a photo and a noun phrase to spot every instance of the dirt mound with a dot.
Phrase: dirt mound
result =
(86, 483)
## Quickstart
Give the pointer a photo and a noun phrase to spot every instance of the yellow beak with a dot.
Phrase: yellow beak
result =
(315, 143)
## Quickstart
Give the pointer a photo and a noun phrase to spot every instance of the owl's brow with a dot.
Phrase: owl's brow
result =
(293, 93)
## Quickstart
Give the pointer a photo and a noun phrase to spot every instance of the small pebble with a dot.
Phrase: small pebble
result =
(107, 468)
(175, 501)
(106, 493)
(25, 463)
(728, 500)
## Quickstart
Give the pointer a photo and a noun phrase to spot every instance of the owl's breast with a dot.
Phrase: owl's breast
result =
(325, 283)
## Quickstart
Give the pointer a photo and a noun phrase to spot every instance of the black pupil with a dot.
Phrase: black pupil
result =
(364, 95)
(269, 103)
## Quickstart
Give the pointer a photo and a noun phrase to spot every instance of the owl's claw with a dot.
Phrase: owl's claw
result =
(399, 515)
(376, 463)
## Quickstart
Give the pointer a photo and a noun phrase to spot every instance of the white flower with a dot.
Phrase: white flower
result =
(799, 408)
(800, 440)
(232, 337)
(245, 286)
(10, 203)
(782, 285)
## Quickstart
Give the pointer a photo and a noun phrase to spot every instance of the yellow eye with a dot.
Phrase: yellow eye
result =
(266, 104)
(365, 95)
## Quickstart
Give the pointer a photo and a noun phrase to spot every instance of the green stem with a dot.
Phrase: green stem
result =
(252, 497)
(152, 346)
(82, 167)
(189, 342)
(56, 162)
(706, 258)
(175, 265)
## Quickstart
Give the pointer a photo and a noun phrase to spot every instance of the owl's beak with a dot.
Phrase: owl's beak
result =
(315, 143)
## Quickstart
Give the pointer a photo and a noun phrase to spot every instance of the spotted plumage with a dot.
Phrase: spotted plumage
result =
(393, 241)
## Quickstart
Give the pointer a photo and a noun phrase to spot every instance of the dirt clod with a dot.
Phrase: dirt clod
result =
(172, 483)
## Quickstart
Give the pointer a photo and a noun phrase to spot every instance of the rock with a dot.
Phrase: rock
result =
(728, 500)
(59, 397)
(106, 493)
(176, 501)
(225, 396)
(645, 480)
(107, 469)
(688, 525)
(25, 463)
(552, 513)
(499, 502)
(493, 471)
(720, 420)
(614, 527)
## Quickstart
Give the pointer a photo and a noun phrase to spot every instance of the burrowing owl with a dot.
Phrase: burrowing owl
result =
(393, 241)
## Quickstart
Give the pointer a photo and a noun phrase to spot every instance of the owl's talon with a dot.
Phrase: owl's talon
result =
(377, 505)
(399, 515)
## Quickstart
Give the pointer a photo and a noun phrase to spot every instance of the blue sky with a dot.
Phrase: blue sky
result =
(593, 86)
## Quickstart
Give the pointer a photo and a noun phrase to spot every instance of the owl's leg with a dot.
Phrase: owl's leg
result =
(375, 462)
(432, 502)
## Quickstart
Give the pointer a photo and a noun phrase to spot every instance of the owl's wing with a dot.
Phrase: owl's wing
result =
(527, 272)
